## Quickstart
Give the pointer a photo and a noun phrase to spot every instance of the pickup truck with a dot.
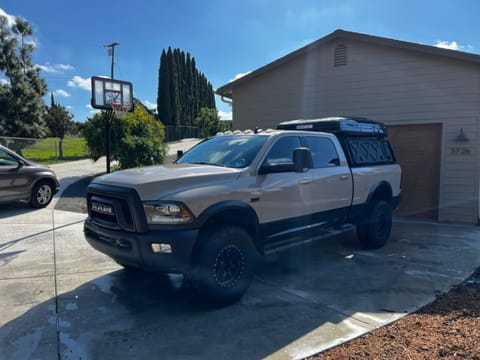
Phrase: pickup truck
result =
(242, 194)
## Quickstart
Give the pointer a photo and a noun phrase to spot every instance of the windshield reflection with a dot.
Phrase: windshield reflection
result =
(234, 151)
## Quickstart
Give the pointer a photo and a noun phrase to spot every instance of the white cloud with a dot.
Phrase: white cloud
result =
(150, 105)
(239, 75)
(10, 18)
(55, 68)
(92, 110)
(62, 93)
(225, 115)
(446, 45)
(4, 82)
(453, 45)
(81, 83)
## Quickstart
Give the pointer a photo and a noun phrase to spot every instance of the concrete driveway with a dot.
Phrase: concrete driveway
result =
(62, 299)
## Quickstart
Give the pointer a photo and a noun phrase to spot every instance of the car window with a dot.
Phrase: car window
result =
(323, 151)
(282, 151)
(7, 160)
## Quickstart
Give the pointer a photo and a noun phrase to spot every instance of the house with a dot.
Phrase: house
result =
(429, 98)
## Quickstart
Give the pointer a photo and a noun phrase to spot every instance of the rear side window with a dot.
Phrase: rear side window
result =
(323, 151)
(369, 151)
(282, 151)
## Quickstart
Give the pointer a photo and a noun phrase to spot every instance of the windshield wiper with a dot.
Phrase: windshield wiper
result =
(207, 163)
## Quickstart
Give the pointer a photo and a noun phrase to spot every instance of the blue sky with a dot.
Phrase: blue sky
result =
(227, 38)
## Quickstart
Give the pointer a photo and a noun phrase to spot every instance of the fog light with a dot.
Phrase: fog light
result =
(161, 248)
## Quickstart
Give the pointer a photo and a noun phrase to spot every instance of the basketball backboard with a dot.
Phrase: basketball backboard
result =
(106, 92)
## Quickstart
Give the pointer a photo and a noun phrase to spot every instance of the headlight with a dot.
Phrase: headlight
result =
(160, 212)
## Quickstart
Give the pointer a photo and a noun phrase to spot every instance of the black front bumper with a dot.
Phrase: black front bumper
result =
(134, 249)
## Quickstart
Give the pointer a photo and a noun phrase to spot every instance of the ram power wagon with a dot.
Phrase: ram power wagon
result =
(238, 195)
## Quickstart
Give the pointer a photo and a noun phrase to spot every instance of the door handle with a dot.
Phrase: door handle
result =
(344, 177)
(305, 181)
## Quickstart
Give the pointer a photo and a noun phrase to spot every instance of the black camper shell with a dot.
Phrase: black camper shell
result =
(364, 141)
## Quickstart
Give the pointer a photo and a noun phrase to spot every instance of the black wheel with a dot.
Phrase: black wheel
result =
(374, 232)
(42, 194)
(222, 267)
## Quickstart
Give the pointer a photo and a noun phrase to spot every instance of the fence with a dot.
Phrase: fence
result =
(49, 149)
(173, 133)
(72, 148)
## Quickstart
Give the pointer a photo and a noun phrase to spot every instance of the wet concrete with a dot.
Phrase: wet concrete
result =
(62, 299)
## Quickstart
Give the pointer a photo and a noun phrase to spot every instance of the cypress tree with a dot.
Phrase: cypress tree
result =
(182, 89)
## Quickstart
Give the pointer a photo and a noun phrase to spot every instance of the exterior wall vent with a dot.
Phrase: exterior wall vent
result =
(341, 55)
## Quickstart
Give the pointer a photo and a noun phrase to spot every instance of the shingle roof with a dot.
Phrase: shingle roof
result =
(226, 90)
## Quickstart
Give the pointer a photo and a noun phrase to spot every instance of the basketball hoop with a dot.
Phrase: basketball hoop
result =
(121, 109)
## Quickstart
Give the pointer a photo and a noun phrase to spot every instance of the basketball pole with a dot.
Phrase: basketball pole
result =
(110, 113)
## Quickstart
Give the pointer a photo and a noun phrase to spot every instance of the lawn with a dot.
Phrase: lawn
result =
(46, 151)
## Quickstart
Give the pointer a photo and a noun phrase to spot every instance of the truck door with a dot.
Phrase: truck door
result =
(332, 181)
(285, 197)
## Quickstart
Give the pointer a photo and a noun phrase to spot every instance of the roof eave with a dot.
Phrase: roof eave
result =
(227, 89)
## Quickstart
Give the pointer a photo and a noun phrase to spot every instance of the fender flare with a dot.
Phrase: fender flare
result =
(245, 216)
(382, 186)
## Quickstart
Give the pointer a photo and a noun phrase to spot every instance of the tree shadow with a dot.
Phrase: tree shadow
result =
(73, 198)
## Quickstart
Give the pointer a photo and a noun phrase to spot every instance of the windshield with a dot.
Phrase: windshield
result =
(236, 151)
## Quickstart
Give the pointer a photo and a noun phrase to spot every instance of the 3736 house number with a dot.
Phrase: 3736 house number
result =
(459, 150)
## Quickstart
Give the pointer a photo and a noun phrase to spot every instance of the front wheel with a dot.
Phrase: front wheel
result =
(42, 194)
(375, 230)
(223, 266)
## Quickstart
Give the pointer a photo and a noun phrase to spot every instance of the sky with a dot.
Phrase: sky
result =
(227, 38)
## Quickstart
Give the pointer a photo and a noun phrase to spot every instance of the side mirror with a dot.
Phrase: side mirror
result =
(302, 162)
(302, 159)
(179, 154)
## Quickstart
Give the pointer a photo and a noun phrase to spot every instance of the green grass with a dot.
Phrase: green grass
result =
(45, 151)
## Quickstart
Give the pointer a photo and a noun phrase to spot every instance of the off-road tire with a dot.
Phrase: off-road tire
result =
(375, 230)
(42, 194)
(222, 266)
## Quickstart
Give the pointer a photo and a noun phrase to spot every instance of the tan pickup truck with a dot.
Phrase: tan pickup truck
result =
(239, 195)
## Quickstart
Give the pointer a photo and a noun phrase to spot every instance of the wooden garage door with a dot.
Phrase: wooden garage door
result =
(418, 150)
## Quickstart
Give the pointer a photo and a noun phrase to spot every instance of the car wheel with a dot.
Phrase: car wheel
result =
(223, 266)
(42, 194)
(374, 232)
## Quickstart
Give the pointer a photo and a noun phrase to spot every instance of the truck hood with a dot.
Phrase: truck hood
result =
(156, 182)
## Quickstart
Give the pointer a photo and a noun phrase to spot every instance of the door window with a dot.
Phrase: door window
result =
(282, 151)
(7, 160)
(323, 151)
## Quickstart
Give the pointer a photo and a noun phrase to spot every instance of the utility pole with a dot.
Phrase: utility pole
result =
(110, 113)
(111, 52)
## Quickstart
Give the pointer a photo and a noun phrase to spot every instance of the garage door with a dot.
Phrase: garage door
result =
(418, 150)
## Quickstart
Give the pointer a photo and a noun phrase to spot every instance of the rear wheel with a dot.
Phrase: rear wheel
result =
(374, 232)
(42, 194)
(223, 266)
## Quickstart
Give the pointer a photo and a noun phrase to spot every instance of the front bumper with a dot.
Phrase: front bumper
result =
(134, 249)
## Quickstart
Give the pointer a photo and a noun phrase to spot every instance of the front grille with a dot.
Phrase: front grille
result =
(115, 208)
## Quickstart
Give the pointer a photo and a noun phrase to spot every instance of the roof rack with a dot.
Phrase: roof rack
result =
(338, 125)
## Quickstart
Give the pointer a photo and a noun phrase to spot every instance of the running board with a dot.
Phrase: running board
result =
(304, 239)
